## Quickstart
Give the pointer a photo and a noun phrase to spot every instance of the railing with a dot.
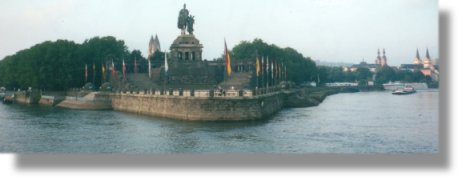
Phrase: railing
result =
(203, 92)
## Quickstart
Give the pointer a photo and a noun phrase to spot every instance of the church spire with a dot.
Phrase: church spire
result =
(417, 54)
(378, 60)
(384, 59)
(157, 43)
(427, 53)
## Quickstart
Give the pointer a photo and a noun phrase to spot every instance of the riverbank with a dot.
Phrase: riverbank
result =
(201, 105)
(308, 97)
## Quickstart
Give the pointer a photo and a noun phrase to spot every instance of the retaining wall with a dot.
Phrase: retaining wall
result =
(199, 108)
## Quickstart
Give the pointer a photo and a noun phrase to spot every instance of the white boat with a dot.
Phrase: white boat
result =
(403, 91)
(391, 86)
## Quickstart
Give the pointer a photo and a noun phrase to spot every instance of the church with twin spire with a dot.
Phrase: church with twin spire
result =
(154, 45)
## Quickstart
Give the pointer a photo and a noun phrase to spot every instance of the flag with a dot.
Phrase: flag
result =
(103, 73)
(281, 71)
(263, 70)
(149, 68)
(149, 52)
(166, 63)
(272, 71)
(93, 74)
(124, 69)
(285, 73)
(113, 69)
(276, 71)
(135, 67)
(85, 73)
(267, 66)
(257, 67)
(227, 60)
(267, 71)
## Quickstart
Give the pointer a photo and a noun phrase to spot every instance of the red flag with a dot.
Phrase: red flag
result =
(85, 73)
(113, 69)
(135, 68)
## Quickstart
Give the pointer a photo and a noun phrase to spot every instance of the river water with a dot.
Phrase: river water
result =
(365, 122)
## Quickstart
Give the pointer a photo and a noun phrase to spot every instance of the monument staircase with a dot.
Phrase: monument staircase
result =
(141, 81)
(238, 80)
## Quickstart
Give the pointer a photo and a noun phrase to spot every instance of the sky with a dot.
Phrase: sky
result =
(327, 30)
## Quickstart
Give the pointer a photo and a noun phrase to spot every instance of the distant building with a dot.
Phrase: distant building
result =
(380, 61)
(425, 66)
(372, 67)
(411, 67)
(427, 63)
(417, 59)
(153, 45)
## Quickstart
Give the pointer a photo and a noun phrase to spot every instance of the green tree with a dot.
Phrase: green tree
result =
(60, 65)
(385, 74)
(363, 74)
(299, 68)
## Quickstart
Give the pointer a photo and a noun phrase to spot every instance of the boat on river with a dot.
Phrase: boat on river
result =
(404, 91)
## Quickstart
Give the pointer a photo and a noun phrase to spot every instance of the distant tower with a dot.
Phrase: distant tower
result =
(153, 45)
(384, 59)
(157, 43)
(417, 59)
(378, 60)
(427, 60)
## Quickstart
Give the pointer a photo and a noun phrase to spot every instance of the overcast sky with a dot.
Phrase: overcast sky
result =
(327, 30)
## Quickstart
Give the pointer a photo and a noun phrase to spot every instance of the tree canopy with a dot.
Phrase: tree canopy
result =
(60, 65)
(299, 68)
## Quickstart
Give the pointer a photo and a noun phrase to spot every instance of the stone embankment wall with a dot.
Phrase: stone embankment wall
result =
(27, 97)
(92, 101)
(199, 108)
(50, 100)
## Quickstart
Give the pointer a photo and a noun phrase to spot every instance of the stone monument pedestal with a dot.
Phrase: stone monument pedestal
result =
(186, 48)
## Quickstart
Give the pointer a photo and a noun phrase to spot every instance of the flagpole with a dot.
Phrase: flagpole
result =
(165, 79)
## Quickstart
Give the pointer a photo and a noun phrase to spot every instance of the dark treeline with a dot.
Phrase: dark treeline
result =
(299, 68)
(61, 64)
(363, 75)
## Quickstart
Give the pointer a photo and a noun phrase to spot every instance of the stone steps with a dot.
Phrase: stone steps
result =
(141, 81)
(239, 80)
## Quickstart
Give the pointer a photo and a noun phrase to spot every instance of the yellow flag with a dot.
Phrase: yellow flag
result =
(227, 60)
(257, 67)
